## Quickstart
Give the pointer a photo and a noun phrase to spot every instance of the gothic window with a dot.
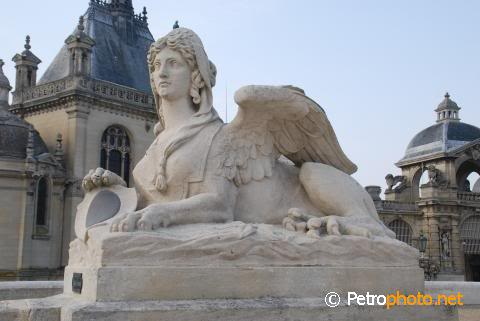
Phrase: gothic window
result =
(115, 152)
(402, 230)
(41, 206)
(84, 64)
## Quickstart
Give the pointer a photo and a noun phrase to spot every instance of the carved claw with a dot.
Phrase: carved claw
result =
(300, 221)
(294, 225)
(101, 178)
(129, 223)
(336, 225)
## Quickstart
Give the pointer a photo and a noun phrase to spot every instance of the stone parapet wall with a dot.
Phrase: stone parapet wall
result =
(17, 290)
(104, 89)
(469, 290)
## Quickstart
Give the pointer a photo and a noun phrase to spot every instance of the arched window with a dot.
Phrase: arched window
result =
(467, 176)
(402, 230)
(423, 180)
(41, 202)
(470, 235)
(115, 151)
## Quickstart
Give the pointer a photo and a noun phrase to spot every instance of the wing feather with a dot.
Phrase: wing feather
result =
(274, 121)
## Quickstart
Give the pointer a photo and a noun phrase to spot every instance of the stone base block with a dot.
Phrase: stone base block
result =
(305, 309)
(164, 283)
(62, 308)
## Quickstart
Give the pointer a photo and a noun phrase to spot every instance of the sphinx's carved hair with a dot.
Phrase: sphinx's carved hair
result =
(182, 40)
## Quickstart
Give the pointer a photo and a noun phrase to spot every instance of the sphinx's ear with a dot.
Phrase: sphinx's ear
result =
(158, 128)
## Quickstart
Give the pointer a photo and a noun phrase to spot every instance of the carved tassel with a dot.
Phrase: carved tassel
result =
(161, 179)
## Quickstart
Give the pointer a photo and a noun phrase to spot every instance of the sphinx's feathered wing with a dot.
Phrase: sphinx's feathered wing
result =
(273, 121)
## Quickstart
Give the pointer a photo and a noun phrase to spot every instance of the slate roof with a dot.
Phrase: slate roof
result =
(14, 136)
(442, 137)
(120, 51)
(4, 83)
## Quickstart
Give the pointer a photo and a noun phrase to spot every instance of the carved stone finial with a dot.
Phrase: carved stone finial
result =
(27, 43)
(447, 95)
(176, 25)
(81, 27)
(144, 13)
(59, 148)
(1, 66)
(374, 192)
(30, 150)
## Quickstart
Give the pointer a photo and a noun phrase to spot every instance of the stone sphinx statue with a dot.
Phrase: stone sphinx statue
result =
(200, 170)
(257, 219)
(262, 207)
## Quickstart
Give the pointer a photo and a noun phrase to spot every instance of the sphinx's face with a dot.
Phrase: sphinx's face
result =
(172, 75)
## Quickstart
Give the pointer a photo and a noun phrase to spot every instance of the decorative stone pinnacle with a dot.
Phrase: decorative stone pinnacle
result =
(1, 65)
(27, 43)
(81, 27)
(30, 144)
(144, 12)
(176, 25)
(59, 148)
(447, 95)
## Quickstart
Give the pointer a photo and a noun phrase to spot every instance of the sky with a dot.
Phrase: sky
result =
(378, 68)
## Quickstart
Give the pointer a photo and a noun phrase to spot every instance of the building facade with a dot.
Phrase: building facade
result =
(94, 106)
(434, 198)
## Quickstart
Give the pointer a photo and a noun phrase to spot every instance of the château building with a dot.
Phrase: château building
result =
(93, 107)
(437, 196)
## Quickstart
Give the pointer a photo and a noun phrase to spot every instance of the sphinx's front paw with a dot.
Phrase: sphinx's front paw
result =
(147, 219)
(151, 221)
(125, 223)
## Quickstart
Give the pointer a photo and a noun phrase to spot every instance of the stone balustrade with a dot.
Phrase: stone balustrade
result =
(87, 85)
(396, 206)
(467, 196)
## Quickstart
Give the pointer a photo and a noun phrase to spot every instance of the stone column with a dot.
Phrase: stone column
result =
(75, 165)
(457, 248)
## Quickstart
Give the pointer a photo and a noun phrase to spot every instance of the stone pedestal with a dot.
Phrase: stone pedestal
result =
(233, 271)
(235, 261)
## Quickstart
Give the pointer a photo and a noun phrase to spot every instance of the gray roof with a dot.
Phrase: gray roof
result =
(118, 56)
(442, 137)
(14, 136)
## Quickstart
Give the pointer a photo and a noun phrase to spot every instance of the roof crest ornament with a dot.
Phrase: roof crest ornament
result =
(81, 25)
(27, 43)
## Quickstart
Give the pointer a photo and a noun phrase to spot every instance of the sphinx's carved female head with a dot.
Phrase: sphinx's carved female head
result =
(169, 56)
(178, 67)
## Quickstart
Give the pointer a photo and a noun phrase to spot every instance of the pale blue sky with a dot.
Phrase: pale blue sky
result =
(378, 68)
